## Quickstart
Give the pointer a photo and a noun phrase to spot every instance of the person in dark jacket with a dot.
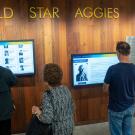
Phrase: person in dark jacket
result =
(7, 79)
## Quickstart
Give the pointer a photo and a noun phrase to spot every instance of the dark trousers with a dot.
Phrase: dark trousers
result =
(5, 127)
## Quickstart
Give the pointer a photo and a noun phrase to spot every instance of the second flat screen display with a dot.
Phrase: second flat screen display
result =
(90, 69)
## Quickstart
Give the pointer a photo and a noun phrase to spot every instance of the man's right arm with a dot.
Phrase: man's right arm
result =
(105, 88)
(107, 81)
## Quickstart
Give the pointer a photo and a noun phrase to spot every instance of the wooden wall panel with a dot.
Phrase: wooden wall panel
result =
(55, 41)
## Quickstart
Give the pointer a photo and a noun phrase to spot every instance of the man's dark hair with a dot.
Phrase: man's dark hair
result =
(53, 74)
(123, 48)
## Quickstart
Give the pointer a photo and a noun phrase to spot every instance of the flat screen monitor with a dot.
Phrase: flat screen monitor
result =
(89, 69)
(18, 56)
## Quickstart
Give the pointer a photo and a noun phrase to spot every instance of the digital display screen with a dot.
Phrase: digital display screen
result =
(18, 56)
(88, 69)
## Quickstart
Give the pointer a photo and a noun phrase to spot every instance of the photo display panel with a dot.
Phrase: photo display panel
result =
(18, 56)
(88, 69)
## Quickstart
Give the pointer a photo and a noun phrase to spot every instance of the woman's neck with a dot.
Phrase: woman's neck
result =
(53, 86)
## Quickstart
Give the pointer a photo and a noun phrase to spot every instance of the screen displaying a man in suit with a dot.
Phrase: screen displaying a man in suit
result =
(81, 76)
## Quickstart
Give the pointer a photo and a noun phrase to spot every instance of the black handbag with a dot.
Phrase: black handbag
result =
(36, 127)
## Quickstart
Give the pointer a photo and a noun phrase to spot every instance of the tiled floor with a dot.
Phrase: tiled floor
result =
(92, 129)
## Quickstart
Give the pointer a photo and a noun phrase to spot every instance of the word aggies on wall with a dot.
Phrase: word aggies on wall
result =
(54, 12)
(98, 12)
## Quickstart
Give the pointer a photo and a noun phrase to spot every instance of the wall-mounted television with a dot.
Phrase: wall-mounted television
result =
(18, 56)
(90, 69)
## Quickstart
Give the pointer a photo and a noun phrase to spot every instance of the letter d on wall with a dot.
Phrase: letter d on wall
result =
(8, 13)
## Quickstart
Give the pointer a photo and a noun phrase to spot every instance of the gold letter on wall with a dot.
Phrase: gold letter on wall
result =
(78, 13)
(33, 12)
(8, 13)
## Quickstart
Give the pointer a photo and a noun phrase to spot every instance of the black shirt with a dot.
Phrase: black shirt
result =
(7, 79)
(121, 80)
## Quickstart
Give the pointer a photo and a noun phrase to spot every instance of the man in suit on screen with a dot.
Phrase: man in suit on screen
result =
(81, 76)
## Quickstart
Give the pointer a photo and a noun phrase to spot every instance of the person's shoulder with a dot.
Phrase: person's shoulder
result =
(3, 69)
(114, 66)
(111, 67)
(56, 89)
(133, 65)
(9, 72)
(47, 91)
(63, 87)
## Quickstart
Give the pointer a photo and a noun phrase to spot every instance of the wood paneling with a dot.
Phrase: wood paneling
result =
(55, 40)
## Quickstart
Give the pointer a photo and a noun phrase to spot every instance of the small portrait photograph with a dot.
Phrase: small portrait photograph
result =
(6, 53)
(81, 76)
(22, 67)
(20, 45)
(6, 46)
(21, 60)
(6, 61)
(20, 53)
